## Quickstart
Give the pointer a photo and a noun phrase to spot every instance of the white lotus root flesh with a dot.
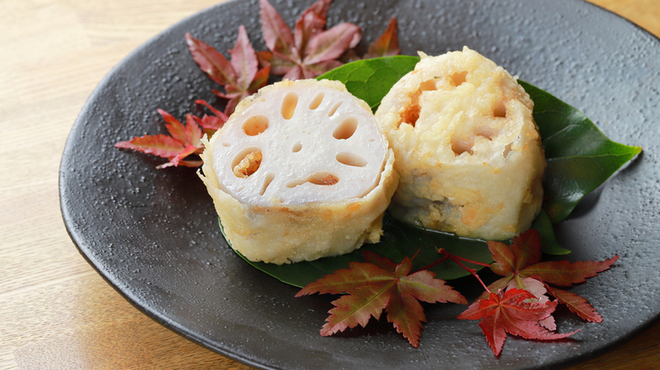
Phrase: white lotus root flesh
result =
(300, 171)
(466, 146)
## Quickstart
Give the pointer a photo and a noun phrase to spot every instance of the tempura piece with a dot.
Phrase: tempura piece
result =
(300, 171)
(466, 146)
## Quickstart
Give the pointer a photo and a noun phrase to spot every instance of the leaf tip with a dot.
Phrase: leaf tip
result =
(303, 292)
(328, 330)
(123, 145)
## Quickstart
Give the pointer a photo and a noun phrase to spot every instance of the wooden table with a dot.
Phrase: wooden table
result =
(55, 311)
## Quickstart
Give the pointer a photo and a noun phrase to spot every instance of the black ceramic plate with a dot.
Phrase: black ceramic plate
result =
(153, 234)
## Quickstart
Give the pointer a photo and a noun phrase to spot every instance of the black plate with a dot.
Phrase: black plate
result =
(153, 234)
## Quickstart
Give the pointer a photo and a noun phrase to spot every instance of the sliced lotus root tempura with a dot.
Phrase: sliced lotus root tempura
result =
(467, 149)
(300, 171)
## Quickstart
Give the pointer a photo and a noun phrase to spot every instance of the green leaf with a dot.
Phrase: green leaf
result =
(371, 79)
(546, 231)
(580, 157)
(399, 240)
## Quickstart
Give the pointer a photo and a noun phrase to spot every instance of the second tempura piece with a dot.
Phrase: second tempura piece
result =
(300, 171)
(466, 146)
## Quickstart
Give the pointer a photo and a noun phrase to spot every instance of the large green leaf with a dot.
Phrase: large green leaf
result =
(398, 241)
(579, 157)
(371, 79)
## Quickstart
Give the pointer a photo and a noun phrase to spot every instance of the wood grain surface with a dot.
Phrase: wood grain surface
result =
(55, 311)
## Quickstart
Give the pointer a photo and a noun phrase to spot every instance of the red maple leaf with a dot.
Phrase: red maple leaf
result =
(240, 77)
(310, 50)
(522, 259)
(514, 311)
(387, 44)
(210, 124)
(182, 141)
(379, 284)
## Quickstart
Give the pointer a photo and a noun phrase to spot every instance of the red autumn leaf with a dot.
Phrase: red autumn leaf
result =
(576, 304)
(310, 23)
(182, 141)
(382, 262)
(514, 311)
(210, 124)
(276, 33)
(160, 145)
(522, 259)
(539, 290)
(240, 77)
(188, 135)
(379, 284)
(387, 44)
(310, 50)
(566, 273)
(213, 63)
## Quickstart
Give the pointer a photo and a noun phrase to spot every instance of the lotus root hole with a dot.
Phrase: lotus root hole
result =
(319, 178)
(507, 149)
(267, 180)
(351, 159)
(458, 78)
(297, 147)
(486, 131)
(500, 110)
(460, 146)
(346, 128)
(427, 85)
(316, 101)
(323, 178)
(411, 115)
(334, 109)
(289, 105)
(255, 125)
(246, 163)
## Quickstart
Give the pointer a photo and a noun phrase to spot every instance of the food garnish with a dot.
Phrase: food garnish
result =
(379, 284)
(182, 141)
(521, 261)
(514, 311)
(310, 50)
(517, 304)
(241, 77)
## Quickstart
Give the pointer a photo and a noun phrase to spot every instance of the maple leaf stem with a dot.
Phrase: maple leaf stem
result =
(454, 257)
(458, 260)
(435, 263)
